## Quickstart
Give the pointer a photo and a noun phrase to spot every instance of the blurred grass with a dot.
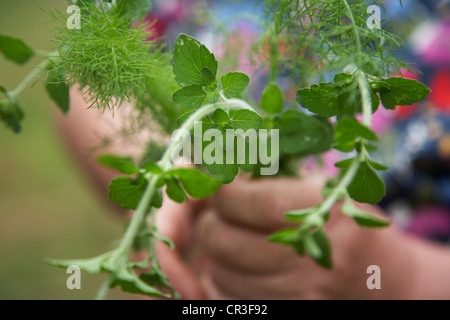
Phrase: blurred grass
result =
(47, 209)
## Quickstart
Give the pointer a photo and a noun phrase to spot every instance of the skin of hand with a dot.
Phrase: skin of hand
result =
(241, 264)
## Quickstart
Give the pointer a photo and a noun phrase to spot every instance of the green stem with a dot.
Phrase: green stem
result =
(165, 164)
(355, 30)
(32, 76)
(364, 87)
(103, 291)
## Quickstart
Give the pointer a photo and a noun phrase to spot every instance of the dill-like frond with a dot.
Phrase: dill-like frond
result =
(110, 59)
(319, 36)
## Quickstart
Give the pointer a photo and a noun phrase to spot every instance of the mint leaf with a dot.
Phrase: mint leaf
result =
(323, 244)
(378, 166)
(127, 192)
(15, 49)
(196, 183)
(152, 168)
(367, 186)
(92, 265)
(157, 199)
(303, 134)
(289, 237)
(174, 191)
(272, 99)
(181, 119)
(321, 99)
(234, 83)
(207, 77)
(361, 217)
(190, 57)
(129, 282)
(190, 96)
(225, 172)
(402, 92)
(12, 115)
(344, 164)
(56, 87)
(245, 119)
(122, 164)
(167, 241)
(349, 129)
(299, 215)
(220, 117)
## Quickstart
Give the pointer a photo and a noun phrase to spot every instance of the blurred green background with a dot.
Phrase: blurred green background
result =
(47, 207)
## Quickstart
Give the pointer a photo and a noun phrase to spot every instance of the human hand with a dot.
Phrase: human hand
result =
(241, 263)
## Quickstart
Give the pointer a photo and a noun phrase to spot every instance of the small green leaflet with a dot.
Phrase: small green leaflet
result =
(319, 242)
(190, 57)
(190, 97)
(127, 192)
(299, 215)
(289, 237)
(367, 186)
(130, 282)
(272, 99)
(349, 129)
(234, 83)
(245, 119)
(92, 265)
(303, 134)
(174, 190)
(361, 217)
(12, 115)
(15, 49)
(56, 87)
(196, 183)
(321, 99)
(226, 172)
(122, 164)
(402, 92)
(220, 117)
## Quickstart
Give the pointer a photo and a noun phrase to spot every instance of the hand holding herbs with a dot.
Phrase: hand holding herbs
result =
(112, 61)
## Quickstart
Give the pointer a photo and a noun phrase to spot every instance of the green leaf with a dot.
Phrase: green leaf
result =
(152, 168)
(122, 164)
(190, 57)
(342, 79)
(12, 115)
(207, 77)
(15, 49)
(234, 83)
(402, 92)
(378, 166)
(92, 265)
(245, 119)
(212, 96)
(181, 119)
(157, 199)
(156, 278)
(225, 172)
(272, 100)
(129, 282)
(167, 241)
(301, 134)
(196, 183)
(361, 217)
(367, 186)
(220, 117)
(349, 129)
(299, 215)
(321, 99)
(323, 243)
(190, 96)
(312, 247)
(286, 236)
(344, 164)
(174, 191)
(127, 192)
(58, 90)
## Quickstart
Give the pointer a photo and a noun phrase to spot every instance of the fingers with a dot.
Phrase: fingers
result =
(181, 276)
(241, 248)
(260, 204)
